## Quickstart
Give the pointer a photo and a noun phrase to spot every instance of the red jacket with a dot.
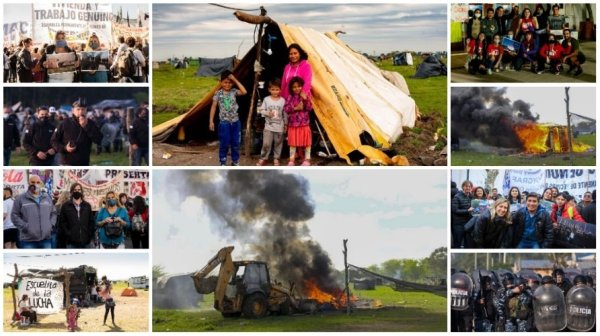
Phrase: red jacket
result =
(568, 212)
(131, 213)
(494, 50)
(554, 52)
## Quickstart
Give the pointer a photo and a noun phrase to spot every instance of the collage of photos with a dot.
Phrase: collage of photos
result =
(404, 166)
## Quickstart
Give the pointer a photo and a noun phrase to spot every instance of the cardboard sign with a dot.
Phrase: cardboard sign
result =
(479, 206)
(573, 234)
(45, 296)
(94, 60)
(510, 44)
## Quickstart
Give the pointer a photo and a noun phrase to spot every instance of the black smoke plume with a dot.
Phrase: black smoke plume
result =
(488, 116)
(267, 211)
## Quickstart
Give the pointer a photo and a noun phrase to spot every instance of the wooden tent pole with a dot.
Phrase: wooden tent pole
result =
(347, 277)
(569, 126)
(248, 136)
(12, 289)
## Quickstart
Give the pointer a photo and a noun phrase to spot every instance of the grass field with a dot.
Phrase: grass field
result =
(104, 159)
(404, 311)
(464, 158)
(175, 91)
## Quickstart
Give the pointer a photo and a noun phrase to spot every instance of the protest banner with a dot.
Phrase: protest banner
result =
(94, 60)
(16, 31)
(77, 20)
(45, 295)
(16, 179)
(459, 12)
(574, 234)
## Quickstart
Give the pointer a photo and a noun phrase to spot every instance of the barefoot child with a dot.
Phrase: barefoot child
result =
(275, 122)
(297, 108)
(229, 121)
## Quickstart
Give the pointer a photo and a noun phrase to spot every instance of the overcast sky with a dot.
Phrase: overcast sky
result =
(384, 214)
(116, 266)
(15, 12)
(209, 31)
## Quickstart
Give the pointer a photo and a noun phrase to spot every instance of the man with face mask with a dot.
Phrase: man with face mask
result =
(25, 63)
(76, 220)
(74, 137)
(12, 138)
(37, 140)
(138, 137)
(34, 215)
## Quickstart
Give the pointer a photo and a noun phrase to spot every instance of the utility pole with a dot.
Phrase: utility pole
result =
(347, 277)
(569, 125)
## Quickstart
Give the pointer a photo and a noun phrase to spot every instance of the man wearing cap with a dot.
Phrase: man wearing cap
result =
(74, 137)
(37, 140)
(34, 214)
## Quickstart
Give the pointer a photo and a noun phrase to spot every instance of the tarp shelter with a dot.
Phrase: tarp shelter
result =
(129, 291)
(431, 67)
(404, 58)
(181, 64)
(115, 103)
(360, 111)
(214, 66)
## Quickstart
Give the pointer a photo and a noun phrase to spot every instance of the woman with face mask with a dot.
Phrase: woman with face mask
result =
(550, 54)
(474, 25)
(112, 220)
(100, 73)
(493, 228)
(60, 46)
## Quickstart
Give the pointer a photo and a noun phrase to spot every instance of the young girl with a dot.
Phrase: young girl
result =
(494, 55)
(477, 49)
(297, 107)
(72, 316)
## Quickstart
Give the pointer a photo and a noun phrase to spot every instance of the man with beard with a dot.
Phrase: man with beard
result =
(138, 137)
(37, 140)
(519, 307)
(76, 220)
(561, 281)
(74, 137)
(572, 55)
(486, 306)
(34, 215)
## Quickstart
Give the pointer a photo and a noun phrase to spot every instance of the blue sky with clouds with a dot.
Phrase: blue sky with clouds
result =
(209, 31)
(384, 214)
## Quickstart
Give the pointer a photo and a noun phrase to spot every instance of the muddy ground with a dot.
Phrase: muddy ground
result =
(423, 145)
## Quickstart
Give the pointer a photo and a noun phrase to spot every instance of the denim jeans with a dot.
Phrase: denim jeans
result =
(42, 244)
(7, 152)
(229, 136)
(138, 155)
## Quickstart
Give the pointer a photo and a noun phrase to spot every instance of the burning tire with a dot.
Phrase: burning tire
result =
(255, 306)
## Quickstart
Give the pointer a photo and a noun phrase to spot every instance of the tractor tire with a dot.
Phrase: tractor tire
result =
(230, 315)
(255, 306)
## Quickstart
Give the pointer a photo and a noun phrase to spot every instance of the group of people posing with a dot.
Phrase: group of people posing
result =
(511, 41)
(519, 220)
(27, 63)
(37, 220)
(52, 138)
(527, 302)
(286, 111)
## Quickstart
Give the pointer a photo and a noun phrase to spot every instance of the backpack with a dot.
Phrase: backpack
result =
(113, 230)
(126, 63)
(138, 223)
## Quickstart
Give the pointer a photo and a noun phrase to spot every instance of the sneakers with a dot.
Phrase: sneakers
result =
(235, 164)
(291, 163)
(578, 72)
(489, 71)
(306, 163)
(540, 72)
(497, 70)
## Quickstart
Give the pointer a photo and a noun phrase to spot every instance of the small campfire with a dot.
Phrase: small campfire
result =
(540, 138)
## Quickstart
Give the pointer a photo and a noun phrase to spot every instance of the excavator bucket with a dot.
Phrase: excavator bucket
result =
(205, 285)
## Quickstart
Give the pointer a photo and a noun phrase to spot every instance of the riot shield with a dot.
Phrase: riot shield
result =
(460, 291)
(549, 308)
(581, 308)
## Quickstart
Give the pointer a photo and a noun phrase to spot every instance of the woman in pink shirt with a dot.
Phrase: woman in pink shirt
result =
(298, 67)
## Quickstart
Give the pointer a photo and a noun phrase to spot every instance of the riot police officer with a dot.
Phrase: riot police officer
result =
(561, 280)
(485, 306)
(581, 306)
(461, 302)
(519, 307)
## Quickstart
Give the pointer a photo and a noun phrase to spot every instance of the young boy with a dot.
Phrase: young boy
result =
(275, 122)
(229, 121)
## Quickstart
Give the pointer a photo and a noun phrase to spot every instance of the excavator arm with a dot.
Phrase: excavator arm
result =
(218, 284)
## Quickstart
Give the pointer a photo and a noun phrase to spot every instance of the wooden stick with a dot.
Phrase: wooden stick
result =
(12, 287)
(323, 138)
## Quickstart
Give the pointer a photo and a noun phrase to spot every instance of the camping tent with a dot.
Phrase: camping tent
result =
(358, 108)
(403, 58)
(214, 66)
(431, 67)
(129, 291)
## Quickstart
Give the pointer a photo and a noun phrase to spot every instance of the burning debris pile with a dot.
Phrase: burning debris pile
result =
(266, 212)
(484, 119)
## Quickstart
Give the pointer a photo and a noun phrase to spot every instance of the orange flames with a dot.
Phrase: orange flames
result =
(537, 138)
(337, 299)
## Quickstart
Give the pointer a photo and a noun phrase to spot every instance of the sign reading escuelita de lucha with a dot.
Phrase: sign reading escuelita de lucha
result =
(45, 295)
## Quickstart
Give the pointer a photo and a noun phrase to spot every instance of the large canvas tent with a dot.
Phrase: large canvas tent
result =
(361, 112)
